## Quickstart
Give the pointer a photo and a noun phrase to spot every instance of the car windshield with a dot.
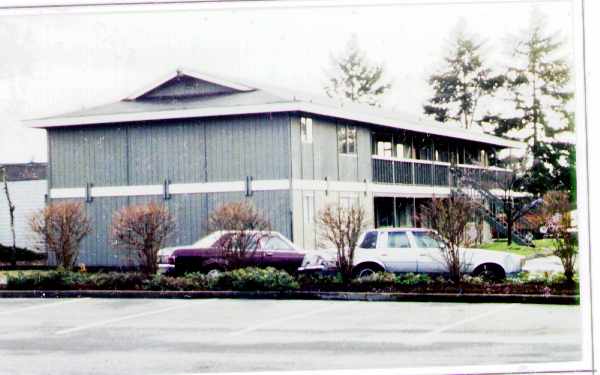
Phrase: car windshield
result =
(208, 241)
(427, 240)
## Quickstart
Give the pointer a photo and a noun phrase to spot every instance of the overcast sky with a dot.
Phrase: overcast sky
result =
(53, 63)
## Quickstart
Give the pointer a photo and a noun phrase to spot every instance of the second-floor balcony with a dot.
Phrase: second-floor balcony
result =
(387, 170)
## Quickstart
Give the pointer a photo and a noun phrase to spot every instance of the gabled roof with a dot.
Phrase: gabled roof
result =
(187, 94)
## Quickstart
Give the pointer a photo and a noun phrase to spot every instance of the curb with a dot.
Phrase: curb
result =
(301, 295)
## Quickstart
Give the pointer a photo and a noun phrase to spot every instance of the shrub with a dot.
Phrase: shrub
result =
(59, 279)
(186, 282)
(449, 217)
(247, 226)
(117, 280)
(341, 227)
(59, 229)
(318, 281)
(376, 280)
(556, 211)
(143, 229)
(249, 279)
(413, 279)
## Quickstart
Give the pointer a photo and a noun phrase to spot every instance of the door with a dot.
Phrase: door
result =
(396, 252)
(280, 254)
(430, 256)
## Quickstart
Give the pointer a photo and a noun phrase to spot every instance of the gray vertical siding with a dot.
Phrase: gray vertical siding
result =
(95, 155)
(321, 158)
(184, 151)
(174, 151)
(196, 150)
(256, 146)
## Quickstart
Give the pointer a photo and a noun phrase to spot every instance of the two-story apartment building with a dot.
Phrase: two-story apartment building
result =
(195, 141)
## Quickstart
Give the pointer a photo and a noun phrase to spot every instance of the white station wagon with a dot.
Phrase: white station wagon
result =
(418, 250)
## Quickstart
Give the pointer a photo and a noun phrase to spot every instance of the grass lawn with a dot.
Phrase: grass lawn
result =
(541, 246)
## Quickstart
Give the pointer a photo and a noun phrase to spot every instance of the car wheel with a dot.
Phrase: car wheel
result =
(213, 270)
(490, 272)
(366, 270)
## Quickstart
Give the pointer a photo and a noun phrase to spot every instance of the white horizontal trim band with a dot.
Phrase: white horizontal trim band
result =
(257, 185)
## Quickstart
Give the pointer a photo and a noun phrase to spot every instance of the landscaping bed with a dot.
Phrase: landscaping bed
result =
(272, 280)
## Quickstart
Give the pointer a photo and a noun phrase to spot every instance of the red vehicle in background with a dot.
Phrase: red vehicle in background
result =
(270, 249)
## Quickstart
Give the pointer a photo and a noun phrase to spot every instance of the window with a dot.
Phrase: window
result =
(442, 151)
(398, 240)
(426, 240)
(404, 147)
(370, 241)
(424, 149)
(306, 129)
(309, 209)
(276, 243)
(346, 139)
(383, 145)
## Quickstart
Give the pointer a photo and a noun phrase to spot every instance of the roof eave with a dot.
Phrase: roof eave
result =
(274, 108)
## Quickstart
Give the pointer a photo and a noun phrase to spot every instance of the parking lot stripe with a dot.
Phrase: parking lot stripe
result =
(42, 306)
(126, 317)
(285, 319)
(429, 335)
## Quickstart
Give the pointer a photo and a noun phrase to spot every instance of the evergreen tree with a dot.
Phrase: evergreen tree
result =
(354, 78)
(464, 80)
(538, 86)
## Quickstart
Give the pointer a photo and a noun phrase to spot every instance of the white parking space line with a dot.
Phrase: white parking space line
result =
(429, 336)
(127, 317)
(42, 306)
(285, 319)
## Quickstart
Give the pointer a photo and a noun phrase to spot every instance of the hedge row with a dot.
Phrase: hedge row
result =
(270, 279)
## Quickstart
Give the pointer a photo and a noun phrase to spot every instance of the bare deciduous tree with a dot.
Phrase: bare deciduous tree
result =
(143, 229)
(556, 211)
(341, 227)
(449, 217)
(60, 228)
(11, 213)
(247, 226)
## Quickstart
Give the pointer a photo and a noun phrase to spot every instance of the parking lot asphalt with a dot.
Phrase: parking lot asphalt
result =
(112, 336)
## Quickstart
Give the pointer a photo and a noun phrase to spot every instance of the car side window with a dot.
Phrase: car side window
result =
(275, 243)
(425, 240)
(370, 241)
(398, 240)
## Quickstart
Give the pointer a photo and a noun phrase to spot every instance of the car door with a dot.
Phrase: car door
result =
(397, 252)
(430, 258)
(280, 254)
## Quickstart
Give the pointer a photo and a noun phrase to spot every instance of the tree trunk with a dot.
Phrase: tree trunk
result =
(11, 212)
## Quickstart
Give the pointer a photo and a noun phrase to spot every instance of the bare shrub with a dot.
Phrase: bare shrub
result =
(556, 213)
(449, 217)
(143, 229)
(59, 229)
(247, 226)
(341, 227)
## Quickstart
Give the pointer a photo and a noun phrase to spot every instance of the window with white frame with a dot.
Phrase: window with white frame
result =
(346, 139)
(306, 129)
(309, 209)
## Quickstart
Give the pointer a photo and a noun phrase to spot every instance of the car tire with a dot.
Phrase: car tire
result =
(212, 270)
(490, 272)
(367, 269)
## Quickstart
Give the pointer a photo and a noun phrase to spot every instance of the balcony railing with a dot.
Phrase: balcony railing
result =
(423, 172)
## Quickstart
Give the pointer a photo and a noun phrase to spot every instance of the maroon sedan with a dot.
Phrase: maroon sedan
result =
(269, 249)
